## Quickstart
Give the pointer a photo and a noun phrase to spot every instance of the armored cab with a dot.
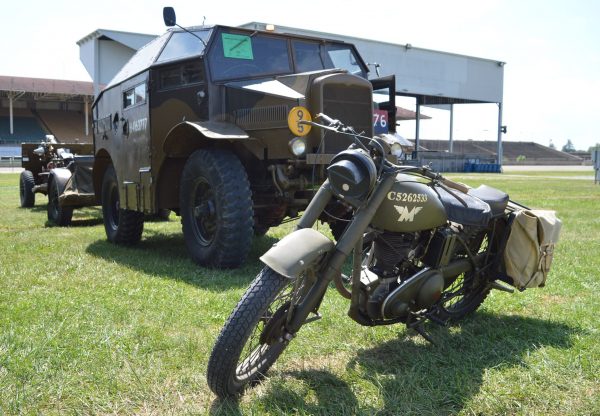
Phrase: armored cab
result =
(203, 122)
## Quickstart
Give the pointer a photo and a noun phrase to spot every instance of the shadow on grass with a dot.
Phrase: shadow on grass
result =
(414, 377)
(331, 396)
(82, 217)
(166, 256)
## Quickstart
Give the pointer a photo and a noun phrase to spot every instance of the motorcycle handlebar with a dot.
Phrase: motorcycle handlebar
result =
(424, 171)
(328, 119)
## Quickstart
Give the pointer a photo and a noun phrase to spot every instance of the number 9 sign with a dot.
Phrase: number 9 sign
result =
(296, 115)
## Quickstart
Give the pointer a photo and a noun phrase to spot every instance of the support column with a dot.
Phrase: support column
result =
(451, 135)
(10, 113)
(87, 115)
(417, 125)
(500, 156)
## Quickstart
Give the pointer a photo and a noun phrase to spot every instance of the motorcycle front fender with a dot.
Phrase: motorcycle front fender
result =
(295, 252)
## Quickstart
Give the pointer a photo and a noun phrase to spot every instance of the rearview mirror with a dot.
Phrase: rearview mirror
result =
(169, 16)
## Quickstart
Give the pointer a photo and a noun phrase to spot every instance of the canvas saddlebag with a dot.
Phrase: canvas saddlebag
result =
(530, 247)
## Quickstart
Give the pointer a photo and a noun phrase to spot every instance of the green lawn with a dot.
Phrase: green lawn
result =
(88, 327)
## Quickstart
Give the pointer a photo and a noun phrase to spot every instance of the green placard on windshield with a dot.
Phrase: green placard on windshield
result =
(237, 46)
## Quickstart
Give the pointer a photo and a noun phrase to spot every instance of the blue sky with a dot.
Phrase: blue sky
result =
(552, 48)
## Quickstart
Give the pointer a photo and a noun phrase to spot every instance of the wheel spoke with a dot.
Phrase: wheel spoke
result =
(256, 350)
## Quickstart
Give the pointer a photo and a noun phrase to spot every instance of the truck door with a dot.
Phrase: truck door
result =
(384, 109)
(134, 157)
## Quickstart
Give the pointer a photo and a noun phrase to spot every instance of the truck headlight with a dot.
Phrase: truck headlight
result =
(297, 146)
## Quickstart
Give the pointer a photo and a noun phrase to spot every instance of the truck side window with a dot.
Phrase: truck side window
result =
(186, 74)
(307, 56)
(135, 95)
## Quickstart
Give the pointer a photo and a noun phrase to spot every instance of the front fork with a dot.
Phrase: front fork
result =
(351, 240)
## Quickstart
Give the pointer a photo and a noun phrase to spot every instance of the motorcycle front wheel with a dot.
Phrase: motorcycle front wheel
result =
(254, 336)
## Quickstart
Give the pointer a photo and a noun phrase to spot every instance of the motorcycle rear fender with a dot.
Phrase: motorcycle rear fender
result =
(291, 256)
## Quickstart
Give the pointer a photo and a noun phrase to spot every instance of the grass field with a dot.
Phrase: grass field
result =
(88, 327)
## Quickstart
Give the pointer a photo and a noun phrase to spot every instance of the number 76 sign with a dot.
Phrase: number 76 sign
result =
(380, 122)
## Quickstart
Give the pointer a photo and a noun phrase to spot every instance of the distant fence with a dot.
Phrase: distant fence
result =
(453, 162)
(596, 159)
(10, 161)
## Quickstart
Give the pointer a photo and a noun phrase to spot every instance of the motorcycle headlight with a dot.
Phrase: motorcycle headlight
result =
(352, 175)
(297, 146)
(397, 149)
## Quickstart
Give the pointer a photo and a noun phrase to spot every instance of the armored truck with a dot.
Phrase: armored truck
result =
(203, 121)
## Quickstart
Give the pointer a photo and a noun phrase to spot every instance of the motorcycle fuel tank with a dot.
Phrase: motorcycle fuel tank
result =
(410, 206)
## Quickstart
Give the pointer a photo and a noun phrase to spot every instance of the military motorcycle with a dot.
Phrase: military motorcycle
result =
(423, 248)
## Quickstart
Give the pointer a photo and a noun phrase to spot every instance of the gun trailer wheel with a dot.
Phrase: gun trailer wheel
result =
(26, 184)
(122, 226)
(216, 209)
(56, 214)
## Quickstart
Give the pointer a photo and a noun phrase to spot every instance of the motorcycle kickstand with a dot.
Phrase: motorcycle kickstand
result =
(417, 325)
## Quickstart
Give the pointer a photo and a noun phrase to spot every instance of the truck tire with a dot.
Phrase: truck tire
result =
(122, 226)
(26, 184)
(58, 215)
(216, 209)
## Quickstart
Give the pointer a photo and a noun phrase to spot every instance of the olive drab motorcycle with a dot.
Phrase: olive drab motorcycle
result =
(424, 248)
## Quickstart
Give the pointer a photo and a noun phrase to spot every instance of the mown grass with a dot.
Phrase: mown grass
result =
(88, 327)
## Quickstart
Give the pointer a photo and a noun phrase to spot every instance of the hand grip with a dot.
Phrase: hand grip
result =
(456, 185)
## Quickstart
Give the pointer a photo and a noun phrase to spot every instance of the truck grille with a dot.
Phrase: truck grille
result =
(261, 117)
(351, 105)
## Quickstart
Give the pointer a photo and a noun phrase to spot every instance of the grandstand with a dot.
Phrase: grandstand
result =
(30, 108)
(528, 153)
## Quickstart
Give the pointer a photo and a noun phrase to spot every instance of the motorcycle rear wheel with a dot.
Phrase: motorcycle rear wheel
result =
(253, 337)
(464, 296)
(467, 292)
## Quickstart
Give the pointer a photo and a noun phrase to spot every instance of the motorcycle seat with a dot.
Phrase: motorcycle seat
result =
(496, 199)
(464, 208)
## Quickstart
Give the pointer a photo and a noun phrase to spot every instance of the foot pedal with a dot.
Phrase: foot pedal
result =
(313, 318)
(499, 286)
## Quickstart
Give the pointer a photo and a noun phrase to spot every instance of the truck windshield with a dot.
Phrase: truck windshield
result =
(183, 45)
(235, 56)
(343, 57)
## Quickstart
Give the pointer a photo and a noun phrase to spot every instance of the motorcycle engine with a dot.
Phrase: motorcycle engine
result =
(391, 253)
(410, 260)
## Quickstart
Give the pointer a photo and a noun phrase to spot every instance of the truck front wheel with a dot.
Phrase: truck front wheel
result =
(122, 226)
(216, 209)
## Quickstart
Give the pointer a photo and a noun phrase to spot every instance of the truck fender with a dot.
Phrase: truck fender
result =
(62, 176)
(291, 255)
(183, 138)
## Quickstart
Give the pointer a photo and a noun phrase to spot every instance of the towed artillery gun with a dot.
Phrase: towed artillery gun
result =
(62, 171)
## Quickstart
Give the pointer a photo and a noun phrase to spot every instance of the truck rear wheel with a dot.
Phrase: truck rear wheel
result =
(56, 214)
(216, 209)
(26, 184)
(122, 226)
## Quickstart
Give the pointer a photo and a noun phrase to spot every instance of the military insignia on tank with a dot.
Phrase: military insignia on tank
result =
(406, 214)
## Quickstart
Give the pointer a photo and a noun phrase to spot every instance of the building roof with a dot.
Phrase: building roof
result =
(129, 39)
(45, 86)
(405, 114)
